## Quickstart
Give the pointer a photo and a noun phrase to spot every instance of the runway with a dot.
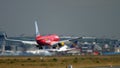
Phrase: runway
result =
(109, 67)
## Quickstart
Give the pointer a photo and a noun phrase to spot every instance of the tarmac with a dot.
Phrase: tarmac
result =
(109, 67)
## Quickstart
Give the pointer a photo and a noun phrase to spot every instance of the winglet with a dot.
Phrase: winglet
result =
(36, 29)
(3, 36)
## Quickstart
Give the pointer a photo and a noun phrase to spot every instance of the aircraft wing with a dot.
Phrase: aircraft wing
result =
(30, 42)
(35, 43)
(24, 42)
(65, 41)
(55, 43)
(21, 41)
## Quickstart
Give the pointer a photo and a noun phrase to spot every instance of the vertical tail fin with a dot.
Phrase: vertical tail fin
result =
(36, 29)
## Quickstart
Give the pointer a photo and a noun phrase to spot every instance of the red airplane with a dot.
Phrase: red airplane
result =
(47, 40)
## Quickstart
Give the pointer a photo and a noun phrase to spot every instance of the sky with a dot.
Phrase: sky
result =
(98, 18)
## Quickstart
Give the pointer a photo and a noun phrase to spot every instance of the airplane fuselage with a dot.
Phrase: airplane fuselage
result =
(47, 40)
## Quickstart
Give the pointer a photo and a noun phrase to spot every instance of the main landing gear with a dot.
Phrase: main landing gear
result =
(38, 46)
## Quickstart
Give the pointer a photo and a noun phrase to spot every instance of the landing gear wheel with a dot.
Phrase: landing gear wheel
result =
(40, 47)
